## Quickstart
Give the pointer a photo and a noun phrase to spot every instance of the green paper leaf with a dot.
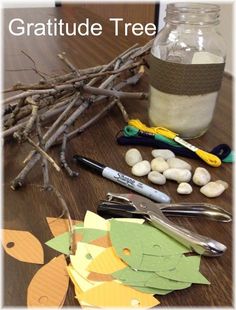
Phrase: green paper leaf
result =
(151, 290)
(159, 263)
(166, 284)
(158, 243)
(61, 243)
(80, 225)
(139, 239)
(186, 271)
(90, 234)
(122, 238)
(129, 275)
(137, 279)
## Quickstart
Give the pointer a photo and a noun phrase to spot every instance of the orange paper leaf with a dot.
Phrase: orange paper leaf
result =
(22, 245)
(49, 285)
(59, 226)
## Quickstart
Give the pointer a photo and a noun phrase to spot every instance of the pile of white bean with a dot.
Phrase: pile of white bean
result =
(165, 166)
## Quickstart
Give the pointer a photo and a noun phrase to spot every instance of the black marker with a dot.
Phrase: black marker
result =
(122, 179)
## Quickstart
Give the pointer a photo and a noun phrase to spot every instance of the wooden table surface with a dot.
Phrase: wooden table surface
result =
(28, 208)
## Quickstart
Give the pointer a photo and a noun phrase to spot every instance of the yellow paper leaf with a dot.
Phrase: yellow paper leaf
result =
(112, 294)
(107, 262)
(92, 220)
(85, 253)
(81, 283)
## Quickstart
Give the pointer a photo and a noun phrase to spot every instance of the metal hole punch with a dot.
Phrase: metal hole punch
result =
(132, 205)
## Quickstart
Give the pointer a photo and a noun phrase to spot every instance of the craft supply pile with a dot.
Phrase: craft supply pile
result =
(118, 262)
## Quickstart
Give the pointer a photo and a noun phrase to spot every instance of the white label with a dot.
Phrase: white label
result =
(186, 144)
(135, 185)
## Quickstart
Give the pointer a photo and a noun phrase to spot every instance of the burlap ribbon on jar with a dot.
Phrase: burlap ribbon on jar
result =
(185, 79)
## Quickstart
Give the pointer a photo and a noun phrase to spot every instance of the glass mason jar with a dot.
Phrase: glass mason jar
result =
(186, 69)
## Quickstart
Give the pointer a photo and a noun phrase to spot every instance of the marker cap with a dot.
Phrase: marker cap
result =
(89, 164)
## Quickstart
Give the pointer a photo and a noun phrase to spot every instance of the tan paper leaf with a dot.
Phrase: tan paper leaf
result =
(94, 276)
(103, 241)
(22, 245)
(49, 285)
(59, 226)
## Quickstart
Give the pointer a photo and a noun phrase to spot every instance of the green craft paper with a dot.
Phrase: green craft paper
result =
(129, 275)
(158, 243)
(90, 234)
(186, 271)
(122, 237)
(138, 279)
(140, 239)
(78, 225)
(166, 284)
(150, 290)
(142, 286)
(61, 243)
(159, 263)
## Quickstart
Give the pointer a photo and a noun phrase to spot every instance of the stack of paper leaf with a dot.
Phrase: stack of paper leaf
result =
(124, 262)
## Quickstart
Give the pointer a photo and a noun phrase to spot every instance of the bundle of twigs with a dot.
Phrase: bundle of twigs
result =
(59, 101)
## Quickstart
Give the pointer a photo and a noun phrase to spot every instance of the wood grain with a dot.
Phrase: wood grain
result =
(28, 208)
(130, 12)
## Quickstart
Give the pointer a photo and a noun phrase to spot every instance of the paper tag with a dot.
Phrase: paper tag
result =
(186, 144)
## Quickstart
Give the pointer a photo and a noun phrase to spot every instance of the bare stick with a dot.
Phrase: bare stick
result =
(26, 111)
(114, 93)
(63, 158)
(61, 117)
(21, 136)
(66, 211)
(101, 74)
(54, 125)
(45, 117)
(44, 154)
(46, 185)
(68, 63)
(130, 81)
(111, 63)
(48, 91)
(19, 180)
(123, 111)
(146, 48)
(91, 70)
(47, 88)
(34, 64)
(12, 119)
(49, 83)
(92, 121)
(33, 117)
